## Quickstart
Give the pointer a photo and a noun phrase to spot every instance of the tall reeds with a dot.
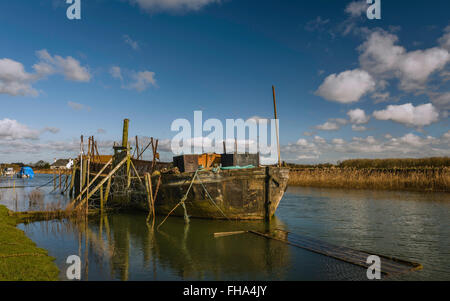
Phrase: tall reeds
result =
(418, 179)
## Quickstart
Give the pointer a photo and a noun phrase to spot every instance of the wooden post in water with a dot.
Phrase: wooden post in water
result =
(81, 164)
(72, 180)
(224, 147)
(128, 167)
(87, 193)
(66, 182)
(60, 175)
(276, 125)
(83, 175)
(268, 200)
(151, 201)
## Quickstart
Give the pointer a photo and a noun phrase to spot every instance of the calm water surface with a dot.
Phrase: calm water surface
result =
(410, 226)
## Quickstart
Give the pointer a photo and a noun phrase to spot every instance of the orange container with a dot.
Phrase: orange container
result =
(209, 160)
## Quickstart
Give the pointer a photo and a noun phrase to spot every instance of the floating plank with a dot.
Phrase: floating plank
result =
(222, 234)
(389, 265)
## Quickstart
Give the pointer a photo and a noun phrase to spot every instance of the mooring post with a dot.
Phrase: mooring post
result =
(81, 163)
(268, 200)
(276, 125)
(128, 167)
(83, 177)
(72, 180)
(125, 133)
(66, 182)
(137, 148)
(87, 192)
(126, 148)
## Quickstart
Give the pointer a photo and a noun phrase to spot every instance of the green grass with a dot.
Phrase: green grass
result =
(20, 258)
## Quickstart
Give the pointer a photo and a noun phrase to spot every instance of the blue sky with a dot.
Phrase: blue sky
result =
(347, 86)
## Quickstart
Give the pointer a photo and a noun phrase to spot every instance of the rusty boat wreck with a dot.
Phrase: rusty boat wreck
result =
(252, 193)
(213, 186)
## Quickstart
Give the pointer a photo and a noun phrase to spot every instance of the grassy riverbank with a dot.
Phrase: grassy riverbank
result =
(20, 258)
(428, 174)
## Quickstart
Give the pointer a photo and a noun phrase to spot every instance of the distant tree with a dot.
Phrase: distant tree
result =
(41, 164)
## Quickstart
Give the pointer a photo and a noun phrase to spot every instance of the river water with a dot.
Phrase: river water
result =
(405, 225)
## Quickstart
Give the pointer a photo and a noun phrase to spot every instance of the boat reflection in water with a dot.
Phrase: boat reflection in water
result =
(125, 247)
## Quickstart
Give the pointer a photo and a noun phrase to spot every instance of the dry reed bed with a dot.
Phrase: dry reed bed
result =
(418, 179)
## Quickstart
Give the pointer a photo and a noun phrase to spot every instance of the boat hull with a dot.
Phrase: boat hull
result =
(242, 194)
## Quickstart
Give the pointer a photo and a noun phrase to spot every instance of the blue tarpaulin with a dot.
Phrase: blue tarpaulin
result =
(26, 172)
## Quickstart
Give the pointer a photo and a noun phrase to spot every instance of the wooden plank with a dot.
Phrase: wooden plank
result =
(223, 234)
(137, 174)
(103, 181)
(389, 265)
(93, 180)
(108, 187)
(101, 199)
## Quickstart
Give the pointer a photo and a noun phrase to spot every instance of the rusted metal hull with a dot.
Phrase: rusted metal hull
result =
(239, 194)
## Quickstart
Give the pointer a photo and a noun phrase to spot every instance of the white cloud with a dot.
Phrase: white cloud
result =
(133, 44)
(346, 87)
(172, 5)
(379, 52)
(319, 140)
(444, 41)
(380, 56)
(338, 141)
(304, 142)
(380, 96)
(406, 146)
(14, 80)
(358, 116)
(12, 129)
(417, 66)
(358, 128)
(446, 136)
(138, 81)
(412, 139)
(409, 115)
(116, 72)
(142, 80)
(356, 8)
(52, 130)
(332, 124)
(328, 126)
(442, 100)
(78, 106)
(69, 67)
